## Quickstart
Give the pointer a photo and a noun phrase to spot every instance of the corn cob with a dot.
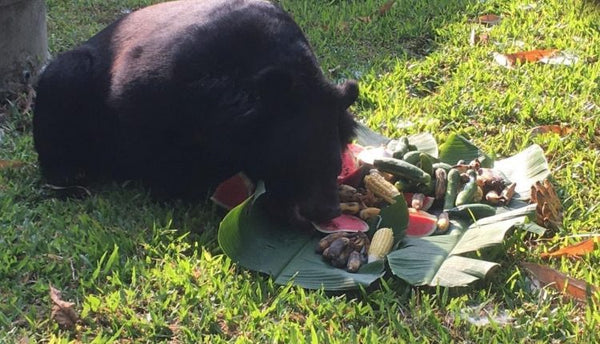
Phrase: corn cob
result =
(381, 187)
(381, 244)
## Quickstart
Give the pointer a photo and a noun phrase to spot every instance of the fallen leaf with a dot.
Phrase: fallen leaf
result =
(509, 60)
(386, 7)
(549, 277)
(560, 58)
(559, 129)
(575, 250)
(489, 19)
(528, 7)
(62, 311)
(549, 210)
(10, 163)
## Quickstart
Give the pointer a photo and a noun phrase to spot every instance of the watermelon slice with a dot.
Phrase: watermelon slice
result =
(233, 191)
(342, 223)
(420, 223)
(351, 172)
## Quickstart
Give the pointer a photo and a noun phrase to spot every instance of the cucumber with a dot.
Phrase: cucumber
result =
(425, 163)
(473, 210)
(466, 194)
(442, 165)
(398, 147)
(451, 188)
(412, 157)
(403, 169)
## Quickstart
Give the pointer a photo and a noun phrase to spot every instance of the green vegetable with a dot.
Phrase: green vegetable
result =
(402, 169)
(465, 195)
(452, 188)
(412, 157)
(442, 165)
(426, 164)
(398, 147)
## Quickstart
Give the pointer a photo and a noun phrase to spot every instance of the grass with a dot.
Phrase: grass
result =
(142, 271)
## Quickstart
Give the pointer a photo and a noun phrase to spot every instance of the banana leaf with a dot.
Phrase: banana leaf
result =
(248, 237)
(287, 254)
(436, 260)
(458, 148)
(367, 137)
(425, 142)
(525, 168)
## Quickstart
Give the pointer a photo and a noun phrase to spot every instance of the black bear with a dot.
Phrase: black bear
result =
(181, 95)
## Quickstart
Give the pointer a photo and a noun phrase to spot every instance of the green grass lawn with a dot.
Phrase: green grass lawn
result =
(142, 271)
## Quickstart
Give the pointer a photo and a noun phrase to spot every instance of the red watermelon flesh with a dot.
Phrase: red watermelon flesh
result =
(420, 224)
(351, 173)
(342, 223)
(233, 191)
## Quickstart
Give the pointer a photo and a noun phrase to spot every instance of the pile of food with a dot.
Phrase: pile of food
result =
(434, 191)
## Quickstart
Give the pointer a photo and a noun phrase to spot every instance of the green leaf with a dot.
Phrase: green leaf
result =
(287, 254)
(426, 143)
(458, 148)
(395, 216)
(435, 260)
(367, 137)
(524, 168)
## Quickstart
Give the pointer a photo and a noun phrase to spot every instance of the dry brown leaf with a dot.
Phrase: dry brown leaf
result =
(576, 250)
(10, 164)
(62, 311)
(549, 209)
(559, 129)
(572, 287)
(386, 7)
(509, 60)
(489, 19)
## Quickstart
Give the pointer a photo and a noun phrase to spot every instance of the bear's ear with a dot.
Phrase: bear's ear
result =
(349, 93)
(274, 85)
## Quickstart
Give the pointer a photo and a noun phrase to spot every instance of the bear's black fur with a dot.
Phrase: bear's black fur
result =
(184, 94)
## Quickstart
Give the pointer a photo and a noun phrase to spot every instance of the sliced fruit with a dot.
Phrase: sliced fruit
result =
(342, 223)
(420, 223)
(233, 191)
(351, 170)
